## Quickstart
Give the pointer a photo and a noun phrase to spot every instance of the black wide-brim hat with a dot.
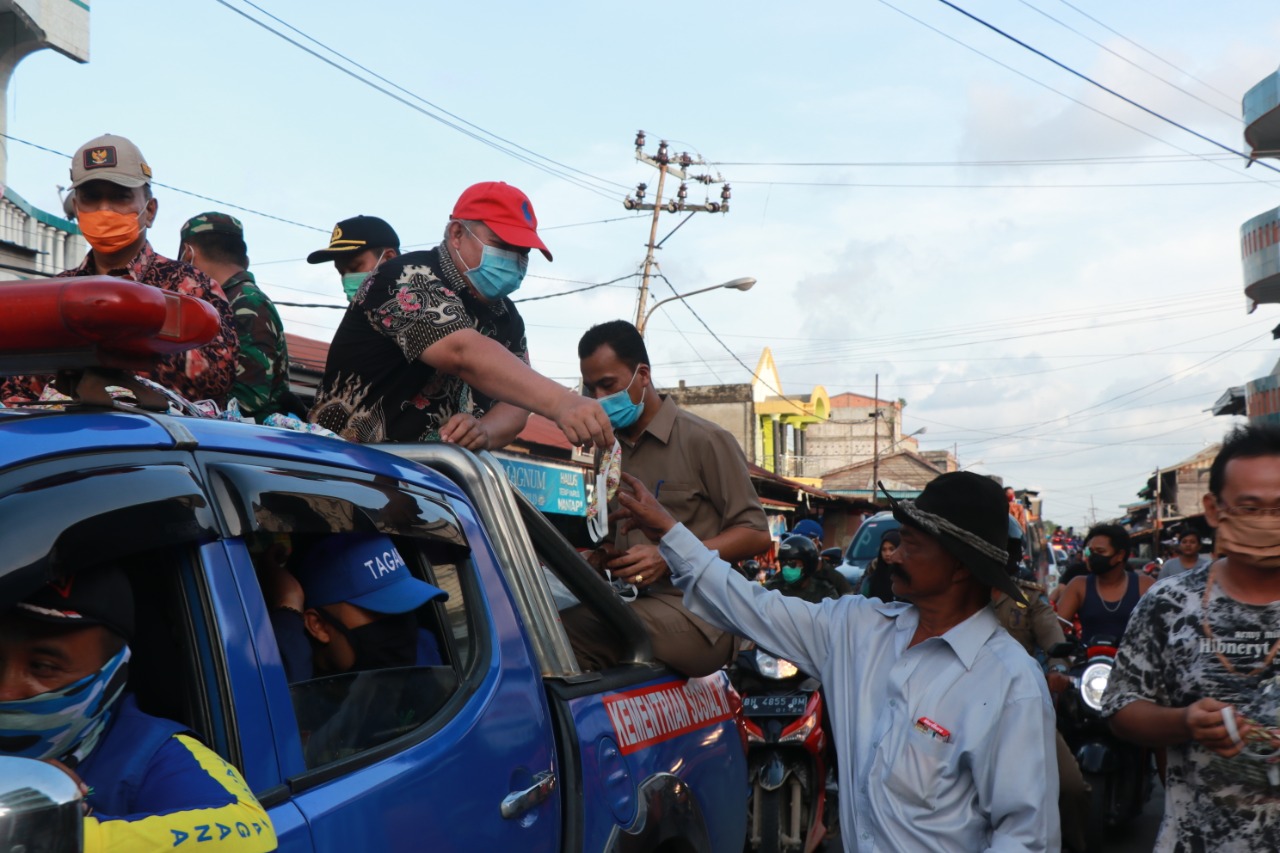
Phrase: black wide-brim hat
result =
(969, 516)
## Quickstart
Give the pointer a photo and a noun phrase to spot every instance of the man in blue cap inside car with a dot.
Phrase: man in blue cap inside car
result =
(64, 666)
(351, 608)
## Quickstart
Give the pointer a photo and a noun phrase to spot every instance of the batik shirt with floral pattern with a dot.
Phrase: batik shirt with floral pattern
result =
(204, 373)
(1228, 805)
(376, 387)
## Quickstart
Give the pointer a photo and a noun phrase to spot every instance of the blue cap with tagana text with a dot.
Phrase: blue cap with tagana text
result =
(364, 569)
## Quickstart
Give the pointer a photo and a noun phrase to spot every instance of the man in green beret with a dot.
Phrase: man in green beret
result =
(214, 244)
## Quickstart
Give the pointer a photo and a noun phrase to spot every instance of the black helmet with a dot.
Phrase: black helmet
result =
(799, 548)
(750, 567)
(832, 556)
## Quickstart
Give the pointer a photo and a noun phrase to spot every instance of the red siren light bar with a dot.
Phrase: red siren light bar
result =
(47, 325)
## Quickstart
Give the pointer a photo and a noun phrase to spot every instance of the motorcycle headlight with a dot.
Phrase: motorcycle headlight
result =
(772, 667)
(1093, 683)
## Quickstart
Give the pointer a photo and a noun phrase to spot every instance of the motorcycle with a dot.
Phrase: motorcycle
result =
(788, 753)
(1120, 774)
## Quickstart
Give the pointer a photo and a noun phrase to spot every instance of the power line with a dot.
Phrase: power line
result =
(531, 159)
(799, 408)
(1085, 14)
(882, 186)
(1058, 92)
(1116, 160)
(1085, 77)
(578, 290)
(1235, 117)
(184, 192)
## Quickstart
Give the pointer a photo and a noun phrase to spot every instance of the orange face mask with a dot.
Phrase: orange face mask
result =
(109, 232)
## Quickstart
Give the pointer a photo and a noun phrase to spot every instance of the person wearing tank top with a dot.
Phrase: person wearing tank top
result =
(1107, 595)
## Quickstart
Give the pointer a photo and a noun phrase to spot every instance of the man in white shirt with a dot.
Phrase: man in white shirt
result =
(942, 721)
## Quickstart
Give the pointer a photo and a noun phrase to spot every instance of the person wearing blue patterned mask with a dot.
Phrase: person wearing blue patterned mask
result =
(64, 665)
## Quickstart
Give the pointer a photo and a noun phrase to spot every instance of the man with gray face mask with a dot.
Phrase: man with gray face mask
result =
(1198, 671)
(64, 664)
(433, 349)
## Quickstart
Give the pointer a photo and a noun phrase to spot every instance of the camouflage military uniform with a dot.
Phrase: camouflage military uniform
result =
(262, 370)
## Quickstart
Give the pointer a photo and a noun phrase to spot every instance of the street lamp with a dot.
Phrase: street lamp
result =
(736, 284)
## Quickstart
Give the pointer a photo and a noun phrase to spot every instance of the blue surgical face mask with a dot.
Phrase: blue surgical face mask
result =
(792, 574)
(621, 411)
(65, 723)
(500, 271)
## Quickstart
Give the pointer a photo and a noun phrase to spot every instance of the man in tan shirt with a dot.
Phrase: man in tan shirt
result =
(697, 471)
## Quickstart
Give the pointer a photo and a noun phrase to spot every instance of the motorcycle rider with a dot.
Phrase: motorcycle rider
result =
(799, 575)
(1107, 595)
(812, 530)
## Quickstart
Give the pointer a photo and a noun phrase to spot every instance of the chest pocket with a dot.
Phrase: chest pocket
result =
(679, 499)
(923, 770)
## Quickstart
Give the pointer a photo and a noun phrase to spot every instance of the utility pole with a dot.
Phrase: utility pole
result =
(1093, 512)
(1155, 539)
(875, 442)
(677, 167)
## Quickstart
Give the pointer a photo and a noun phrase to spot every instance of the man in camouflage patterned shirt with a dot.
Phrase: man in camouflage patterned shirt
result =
(214, 244)
(1197, 671)
(112, 200)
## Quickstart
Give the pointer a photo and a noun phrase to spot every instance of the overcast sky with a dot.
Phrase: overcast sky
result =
(1059, 298)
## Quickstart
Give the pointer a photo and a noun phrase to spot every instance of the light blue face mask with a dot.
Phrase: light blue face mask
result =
(500, 271)
(67, 722)
(621, 411)
(351, 281)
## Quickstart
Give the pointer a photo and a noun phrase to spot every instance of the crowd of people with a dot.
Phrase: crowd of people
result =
(939, 676)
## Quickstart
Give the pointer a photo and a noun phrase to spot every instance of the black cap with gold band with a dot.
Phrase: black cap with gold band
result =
(355, 235)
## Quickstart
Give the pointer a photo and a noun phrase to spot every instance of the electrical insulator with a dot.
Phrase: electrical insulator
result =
(673, 206)
(629, 203)
(713, 207)
(639, 139)
(724, 193)
(662, 153)
(640, 188)
(685, 160)
(683, 192)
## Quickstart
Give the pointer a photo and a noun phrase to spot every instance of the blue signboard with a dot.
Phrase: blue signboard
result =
(551, 488)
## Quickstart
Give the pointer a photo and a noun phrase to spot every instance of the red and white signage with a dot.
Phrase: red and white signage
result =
(650, 715)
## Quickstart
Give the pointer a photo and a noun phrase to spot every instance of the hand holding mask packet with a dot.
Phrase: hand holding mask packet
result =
(608, 475)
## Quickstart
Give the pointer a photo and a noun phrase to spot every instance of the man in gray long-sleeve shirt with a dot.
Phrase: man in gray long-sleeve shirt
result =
(942, 721)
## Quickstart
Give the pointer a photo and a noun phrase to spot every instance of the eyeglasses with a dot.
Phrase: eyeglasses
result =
(1248, 510)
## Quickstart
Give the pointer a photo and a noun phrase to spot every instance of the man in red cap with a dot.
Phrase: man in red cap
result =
(433, 349)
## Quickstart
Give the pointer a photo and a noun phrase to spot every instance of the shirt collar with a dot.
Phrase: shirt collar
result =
(236, 280)
(968, 638)
(135, 269)
(965, 639)
(664, 421)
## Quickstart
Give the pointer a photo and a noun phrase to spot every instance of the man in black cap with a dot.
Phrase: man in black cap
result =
(356, 247)
(942, 721)
(64, 664)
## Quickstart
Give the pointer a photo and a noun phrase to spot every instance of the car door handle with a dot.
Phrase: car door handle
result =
(518, 802)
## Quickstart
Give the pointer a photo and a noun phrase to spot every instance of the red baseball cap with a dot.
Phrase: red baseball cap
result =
(506, 210)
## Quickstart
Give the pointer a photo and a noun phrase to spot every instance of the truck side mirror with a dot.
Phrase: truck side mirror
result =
(40, 808)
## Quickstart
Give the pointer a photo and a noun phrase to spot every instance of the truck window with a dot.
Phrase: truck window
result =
(362, 674)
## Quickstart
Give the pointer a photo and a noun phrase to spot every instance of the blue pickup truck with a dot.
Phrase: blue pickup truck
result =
(507, 745)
